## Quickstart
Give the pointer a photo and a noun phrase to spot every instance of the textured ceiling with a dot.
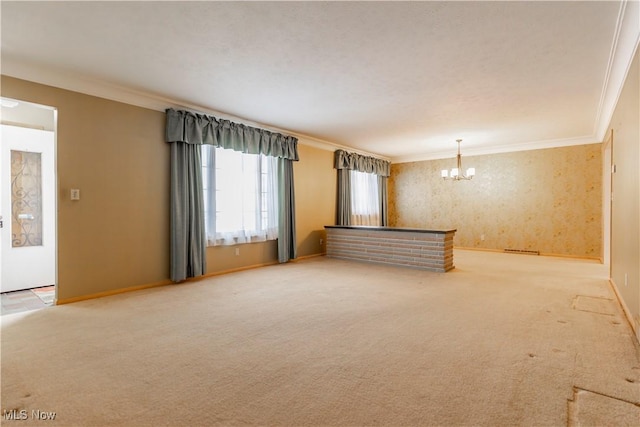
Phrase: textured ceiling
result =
(402, 80)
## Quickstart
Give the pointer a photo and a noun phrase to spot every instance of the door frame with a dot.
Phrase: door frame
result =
(27, 123)
(607, 199)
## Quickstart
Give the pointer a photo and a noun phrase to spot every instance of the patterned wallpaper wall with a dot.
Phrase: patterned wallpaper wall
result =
(548, 200)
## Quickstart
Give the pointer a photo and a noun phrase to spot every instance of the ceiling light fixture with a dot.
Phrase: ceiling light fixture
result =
(456, 173)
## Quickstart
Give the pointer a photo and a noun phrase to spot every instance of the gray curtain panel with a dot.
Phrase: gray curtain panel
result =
(343, 204)
(345, 162)
(382, 196)
(286, 212)
(188, 240)
(187, 131)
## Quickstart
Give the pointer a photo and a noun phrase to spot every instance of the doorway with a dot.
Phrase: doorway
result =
(607, 198)
(28, 237)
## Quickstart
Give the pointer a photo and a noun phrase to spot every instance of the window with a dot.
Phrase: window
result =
(365, 199)
(240, 196)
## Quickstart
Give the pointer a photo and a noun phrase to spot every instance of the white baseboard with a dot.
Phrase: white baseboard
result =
(627, 313)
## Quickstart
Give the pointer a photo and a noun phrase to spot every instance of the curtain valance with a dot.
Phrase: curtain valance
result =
(194, 128)
(360, 163)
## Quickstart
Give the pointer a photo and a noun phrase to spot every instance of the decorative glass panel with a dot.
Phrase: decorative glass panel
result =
(26, 199)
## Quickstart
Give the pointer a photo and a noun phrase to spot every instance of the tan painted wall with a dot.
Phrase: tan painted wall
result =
(315, 185)
(625, 215)
(117, 235)
(547, 200)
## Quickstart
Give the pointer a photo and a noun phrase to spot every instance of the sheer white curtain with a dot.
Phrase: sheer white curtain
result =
(240, 195)
(365, 201)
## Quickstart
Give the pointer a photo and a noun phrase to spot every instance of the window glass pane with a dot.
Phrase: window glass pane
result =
(26, 199)
(365, 204)
(244, 197)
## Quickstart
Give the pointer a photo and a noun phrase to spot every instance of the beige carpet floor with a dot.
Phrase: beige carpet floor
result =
(502, 340)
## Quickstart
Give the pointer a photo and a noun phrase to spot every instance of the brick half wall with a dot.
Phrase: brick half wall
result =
(425, 250)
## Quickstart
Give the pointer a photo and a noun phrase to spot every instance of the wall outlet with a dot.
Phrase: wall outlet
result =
(237, 251)
(482, 237)
(75, 194)
(626, 279)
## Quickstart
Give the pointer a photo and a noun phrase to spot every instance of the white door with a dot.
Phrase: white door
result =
(27, 207)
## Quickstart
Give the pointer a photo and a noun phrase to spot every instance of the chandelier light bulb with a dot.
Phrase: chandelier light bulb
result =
(456, 173)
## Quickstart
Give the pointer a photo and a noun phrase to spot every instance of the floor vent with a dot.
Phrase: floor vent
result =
(522, 251)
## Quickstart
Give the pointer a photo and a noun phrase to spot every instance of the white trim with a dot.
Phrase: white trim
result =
(625, 42)
(330, 146)
(524, 146)
(635, 325)
(623, 48)
(77, 83)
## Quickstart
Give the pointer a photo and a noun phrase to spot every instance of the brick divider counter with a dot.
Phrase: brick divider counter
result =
(405, 247)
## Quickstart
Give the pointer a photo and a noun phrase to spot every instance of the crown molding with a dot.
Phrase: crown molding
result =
(623, 48)
(68, 80)
(497, 149)
(330, 146)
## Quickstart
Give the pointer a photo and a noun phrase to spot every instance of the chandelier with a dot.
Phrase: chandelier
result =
(456, 173)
